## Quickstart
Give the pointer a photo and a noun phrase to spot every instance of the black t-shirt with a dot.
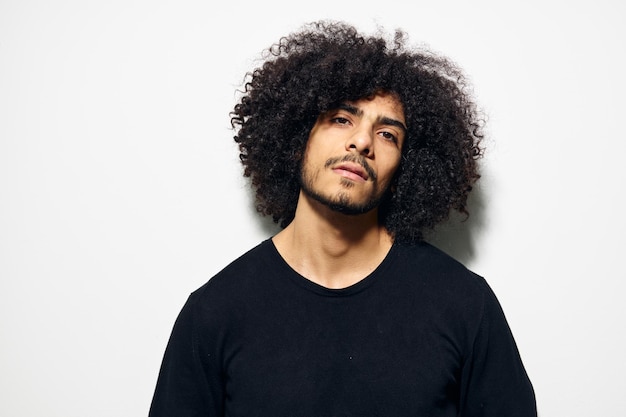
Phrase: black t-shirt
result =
(420, 336)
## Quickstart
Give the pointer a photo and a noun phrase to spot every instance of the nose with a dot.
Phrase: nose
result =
(361, 142)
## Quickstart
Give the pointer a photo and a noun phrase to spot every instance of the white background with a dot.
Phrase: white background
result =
(121, 191)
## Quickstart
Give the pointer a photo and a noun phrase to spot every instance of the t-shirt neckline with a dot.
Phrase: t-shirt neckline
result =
(309, 285)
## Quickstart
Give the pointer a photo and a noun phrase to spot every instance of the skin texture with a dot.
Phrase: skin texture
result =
(312, 71)
(353, 153)
(350, 160)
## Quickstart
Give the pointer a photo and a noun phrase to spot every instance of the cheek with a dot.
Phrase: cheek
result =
(311, 163)
(390, 172)
(393, 166)
(308, 159)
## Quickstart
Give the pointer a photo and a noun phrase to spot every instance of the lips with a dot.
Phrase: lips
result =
(352, 171)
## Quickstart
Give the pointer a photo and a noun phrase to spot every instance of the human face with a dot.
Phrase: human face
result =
(353, 152)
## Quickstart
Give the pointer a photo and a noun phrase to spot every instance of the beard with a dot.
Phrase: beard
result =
(340, 202)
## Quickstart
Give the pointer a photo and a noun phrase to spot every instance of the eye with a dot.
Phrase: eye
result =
(340, 120)
(389, 136)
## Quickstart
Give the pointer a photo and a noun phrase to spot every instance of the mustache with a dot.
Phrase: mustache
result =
(354, 158)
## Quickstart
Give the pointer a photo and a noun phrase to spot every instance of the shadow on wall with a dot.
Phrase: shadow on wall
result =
(455, 236)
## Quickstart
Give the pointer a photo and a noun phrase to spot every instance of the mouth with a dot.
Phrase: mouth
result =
(351, 171)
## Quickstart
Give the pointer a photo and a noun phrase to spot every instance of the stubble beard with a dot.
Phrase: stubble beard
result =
(341, 201)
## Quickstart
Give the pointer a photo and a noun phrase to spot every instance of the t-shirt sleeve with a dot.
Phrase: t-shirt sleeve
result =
(185, 388)
(494, 380)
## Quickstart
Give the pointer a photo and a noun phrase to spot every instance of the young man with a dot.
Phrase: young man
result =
(355, 146)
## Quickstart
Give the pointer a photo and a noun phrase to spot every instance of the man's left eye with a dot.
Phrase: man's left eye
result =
(389, 136)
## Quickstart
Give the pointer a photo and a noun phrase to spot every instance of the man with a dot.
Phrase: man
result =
(356, 146)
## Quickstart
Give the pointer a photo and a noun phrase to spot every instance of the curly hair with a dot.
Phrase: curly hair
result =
(326, 63)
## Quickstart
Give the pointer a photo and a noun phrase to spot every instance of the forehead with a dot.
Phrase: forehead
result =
(382, 103)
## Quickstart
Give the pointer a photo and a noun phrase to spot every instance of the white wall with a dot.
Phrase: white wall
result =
(120, 188)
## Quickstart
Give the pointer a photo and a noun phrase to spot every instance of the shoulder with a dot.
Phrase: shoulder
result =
(240, 279)
(440, 278)
(443, 292)
(432, 264)
(247, 265)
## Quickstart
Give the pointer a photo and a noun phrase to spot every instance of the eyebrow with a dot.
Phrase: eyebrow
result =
(381, 119)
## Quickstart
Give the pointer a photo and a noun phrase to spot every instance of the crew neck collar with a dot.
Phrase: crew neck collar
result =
(309, 285)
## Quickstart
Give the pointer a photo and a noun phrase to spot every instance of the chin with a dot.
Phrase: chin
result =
(344, 205)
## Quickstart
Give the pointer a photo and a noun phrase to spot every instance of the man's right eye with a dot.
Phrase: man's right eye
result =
(340, 120)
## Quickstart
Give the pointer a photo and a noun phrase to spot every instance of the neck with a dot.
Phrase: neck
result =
(332, 249)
